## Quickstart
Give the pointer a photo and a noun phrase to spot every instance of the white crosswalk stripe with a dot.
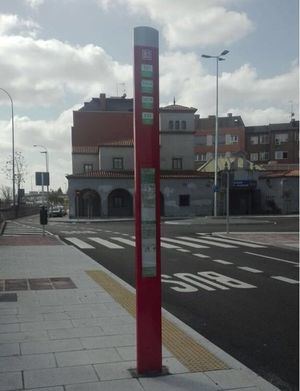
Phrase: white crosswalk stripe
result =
(233, 241)
(12, 229)
(79, 243)
(250, 269)
(207, 242)
(222, 261)
(184, 243)
(201, 255)
(106, 243)
(285, 279)
(125, 241)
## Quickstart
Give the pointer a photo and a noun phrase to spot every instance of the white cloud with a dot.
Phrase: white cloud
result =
(12, 23)
(55, 135)
(34, 3)
(192, 23)
(241, 91)
(42, 72)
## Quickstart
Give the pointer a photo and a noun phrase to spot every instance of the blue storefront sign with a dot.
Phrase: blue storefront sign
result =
(245, 183)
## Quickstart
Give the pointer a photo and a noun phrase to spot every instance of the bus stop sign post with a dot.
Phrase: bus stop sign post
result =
(147, 201)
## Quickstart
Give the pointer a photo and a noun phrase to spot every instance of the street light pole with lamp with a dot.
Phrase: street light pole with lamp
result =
(13, 144)
(218, 58)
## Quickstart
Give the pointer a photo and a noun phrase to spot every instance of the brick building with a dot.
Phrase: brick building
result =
(273, 143)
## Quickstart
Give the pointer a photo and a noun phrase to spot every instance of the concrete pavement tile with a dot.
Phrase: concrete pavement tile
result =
(18, 363)
(8, 311)
(115, 385)
(4, 319)
(23, 336)
(75, 332)
(185, 382)
(232, 378)
(50, 346)
(46, 325)
(118, 329)
(129, 352)
(85, 357)
(114, 371)
(11, 381)
(59, 376)
(48, 389)
(56, 316)
(9, 328)
(9, 349)
(108, 341)
(174, 366)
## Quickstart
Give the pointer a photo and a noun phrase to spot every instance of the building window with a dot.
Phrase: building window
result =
(184, 200)
(183, 124)
(264, 156)
(264, 139)
(177, 125)
(171, 125)
(87, 167)
(281, 138)
(118, 163)
(201, 157)
(279, 155)
(177, 163)
(209, 139)
(253, 140)
(254, 157)
(234, 139)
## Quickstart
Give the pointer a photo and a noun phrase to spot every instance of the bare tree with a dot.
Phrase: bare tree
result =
(6, 195)
(20, 169)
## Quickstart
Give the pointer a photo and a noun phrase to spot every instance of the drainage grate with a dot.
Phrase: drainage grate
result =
(23, 284)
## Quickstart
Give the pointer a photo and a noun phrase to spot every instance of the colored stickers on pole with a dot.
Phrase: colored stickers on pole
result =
(148, 222)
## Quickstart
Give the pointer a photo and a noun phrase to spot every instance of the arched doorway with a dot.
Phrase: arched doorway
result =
(120, 203)
(88, 204)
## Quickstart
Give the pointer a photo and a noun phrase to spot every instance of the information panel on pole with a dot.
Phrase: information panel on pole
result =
(147, 200)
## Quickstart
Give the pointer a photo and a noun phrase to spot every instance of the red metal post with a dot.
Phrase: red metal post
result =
(147, 200)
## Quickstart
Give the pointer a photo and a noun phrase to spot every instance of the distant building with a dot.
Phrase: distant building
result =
(231, 137)
(102, 180)
(273, 143)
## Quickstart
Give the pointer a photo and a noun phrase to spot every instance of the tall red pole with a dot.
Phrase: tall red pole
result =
(147, 200)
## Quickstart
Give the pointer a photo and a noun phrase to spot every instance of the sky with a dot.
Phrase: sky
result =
(57, 54)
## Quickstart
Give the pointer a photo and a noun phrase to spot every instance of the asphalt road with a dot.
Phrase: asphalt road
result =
(243, 299)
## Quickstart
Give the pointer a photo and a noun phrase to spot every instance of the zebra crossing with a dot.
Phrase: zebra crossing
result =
(13, 228)
(180, 243)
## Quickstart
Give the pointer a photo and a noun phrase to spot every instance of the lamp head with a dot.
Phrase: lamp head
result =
(206, 56)
(224, 52)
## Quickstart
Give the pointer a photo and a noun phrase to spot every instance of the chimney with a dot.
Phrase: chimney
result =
(102, 102)
(229, 115)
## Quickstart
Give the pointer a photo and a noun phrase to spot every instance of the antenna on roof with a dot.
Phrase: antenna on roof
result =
(292, 114)
(123, 90)
(174, 101)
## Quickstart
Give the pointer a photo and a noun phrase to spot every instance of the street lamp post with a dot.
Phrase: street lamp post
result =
(227, 197)
(47, 165)
(218, 58)
(13, 144)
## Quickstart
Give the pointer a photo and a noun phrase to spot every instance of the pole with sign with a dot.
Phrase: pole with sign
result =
(147, 200)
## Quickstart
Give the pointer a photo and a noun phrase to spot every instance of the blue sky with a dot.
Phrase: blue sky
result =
(54, 54)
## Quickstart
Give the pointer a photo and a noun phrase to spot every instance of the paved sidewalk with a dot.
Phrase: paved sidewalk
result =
(67, 324)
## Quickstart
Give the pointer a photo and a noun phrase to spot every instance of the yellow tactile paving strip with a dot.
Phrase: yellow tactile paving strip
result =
(189, 352)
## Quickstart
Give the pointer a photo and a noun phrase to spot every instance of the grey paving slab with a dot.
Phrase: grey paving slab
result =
(114, 371)
(48, 389)
(56, 316)
(115, 385)
(50, 346)
(59, 376)
(86, 357)
(46, 325)
(76, 332)
(108, 341)
(11, 381)
(118, 329)
(129, 352)
(9, 349)
(181, 382)
(23, 336)
(18, 363)
(233, 378)
(9, 328)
